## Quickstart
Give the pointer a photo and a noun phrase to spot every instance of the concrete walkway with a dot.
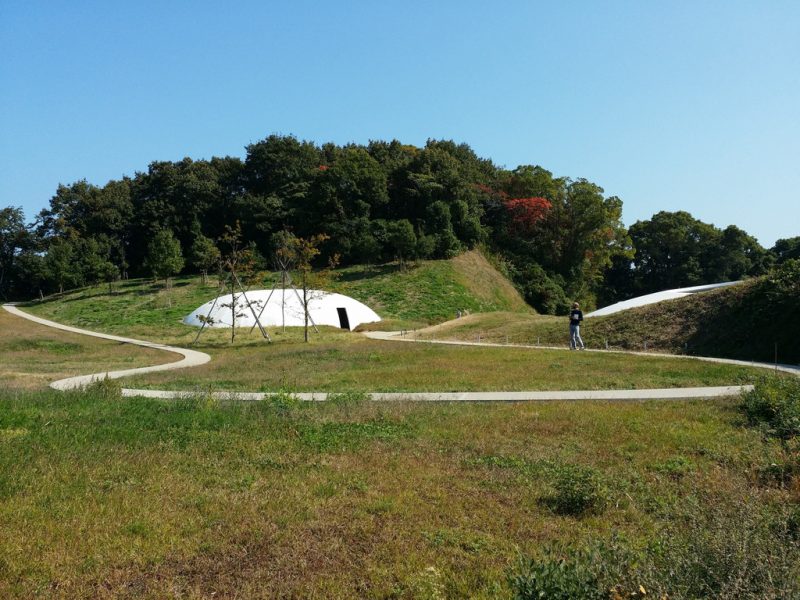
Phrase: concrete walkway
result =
(192, 358)
(400, 336)
(649, 394)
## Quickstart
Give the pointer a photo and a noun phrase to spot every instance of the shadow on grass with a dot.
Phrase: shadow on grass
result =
(371, 272)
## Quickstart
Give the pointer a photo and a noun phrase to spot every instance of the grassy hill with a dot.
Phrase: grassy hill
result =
(743, 322)
(417, 295)
(431, 291)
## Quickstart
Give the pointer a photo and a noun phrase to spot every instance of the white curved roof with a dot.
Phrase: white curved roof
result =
(657, 297)
(281, 307)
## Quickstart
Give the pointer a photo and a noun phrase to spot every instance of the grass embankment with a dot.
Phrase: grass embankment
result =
(743, 322)
(431, 291)
(107, 497)
(420, 294)
(31, 355)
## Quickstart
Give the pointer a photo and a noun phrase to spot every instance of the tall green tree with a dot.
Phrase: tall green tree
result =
(205, 255)
(15, 238)
(59, 264)
(673, 249)
(786, 249)
(346, 195)
(401, 240)
(164, 257)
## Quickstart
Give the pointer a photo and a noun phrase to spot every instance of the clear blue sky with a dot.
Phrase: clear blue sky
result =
(676, 105)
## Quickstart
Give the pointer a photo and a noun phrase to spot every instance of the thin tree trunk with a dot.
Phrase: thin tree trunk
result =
(305, 307)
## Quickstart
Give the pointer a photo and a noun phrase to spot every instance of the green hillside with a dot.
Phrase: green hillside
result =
(431, 291)
(417, 295)
(743, 322)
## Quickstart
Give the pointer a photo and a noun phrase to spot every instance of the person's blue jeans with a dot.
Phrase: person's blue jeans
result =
(575, 336)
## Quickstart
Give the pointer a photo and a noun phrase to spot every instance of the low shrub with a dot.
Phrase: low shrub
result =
(567, 577)
(774, 405)
(577, 491)
(105, 388)
(282, 401)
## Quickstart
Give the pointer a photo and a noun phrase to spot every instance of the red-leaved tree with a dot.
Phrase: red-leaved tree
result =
(527, 213)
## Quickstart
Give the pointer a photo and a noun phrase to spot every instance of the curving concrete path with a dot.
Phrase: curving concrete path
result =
(192, 358)
(401, 336)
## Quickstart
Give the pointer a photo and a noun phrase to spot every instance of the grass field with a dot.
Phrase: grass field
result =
(110, 497)
(128, 498)
(34, 355)
(338, 362)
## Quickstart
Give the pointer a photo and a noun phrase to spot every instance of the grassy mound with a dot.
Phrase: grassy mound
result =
(743, 322)
(418, 295)
(431, 291)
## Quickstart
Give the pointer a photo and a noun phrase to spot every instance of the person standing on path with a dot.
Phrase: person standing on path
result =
(575, 318)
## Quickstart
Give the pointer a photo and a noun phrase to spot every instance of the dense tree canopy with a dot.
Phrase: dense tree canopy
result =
(673, 249)
(560, 238)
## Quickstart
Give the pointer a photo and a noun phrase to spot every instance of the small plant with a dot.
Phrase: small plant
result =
(774, 405)
(348, 398)
(105, 388)
(427, 584)
(793, 524)
(282, 401)
(780, 473)
(676, 467)
(347, 403)
(566, 577)
(577, 491)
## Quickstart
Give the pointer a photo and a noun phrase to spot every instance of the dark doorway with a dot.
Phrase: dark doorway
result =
(344, 322)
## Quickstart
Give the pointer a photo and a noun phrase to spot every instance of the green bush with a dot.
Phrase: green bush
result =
(577, 491)
(281, 401)
(564, 578)
(774, 405)
(105, 389)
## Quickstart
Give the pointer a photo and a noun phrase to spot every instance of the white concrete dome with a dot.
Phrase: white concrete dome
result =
(283, 307)
(658, 297)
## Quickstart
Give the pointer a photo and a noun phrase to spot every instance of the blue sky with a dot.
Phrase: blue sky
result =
(677, 105)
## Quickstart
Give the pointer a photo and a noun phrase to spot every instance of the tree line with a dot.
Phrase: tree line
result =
(557, 238)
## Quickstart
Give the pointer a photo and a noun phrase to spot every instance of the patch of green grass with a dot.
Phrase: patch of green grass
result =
(337, 362)
(431, 291)
(143, 498)
(49, 346)
(328, 437)
(420, 294)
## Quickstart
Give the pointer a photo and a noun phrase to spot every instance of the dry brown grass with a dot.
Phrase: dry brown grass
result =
(34, 355)
(486, 283)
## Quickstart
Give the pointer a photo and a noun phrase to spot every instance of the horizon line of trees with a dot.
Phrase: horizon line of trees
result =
(557, 238)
